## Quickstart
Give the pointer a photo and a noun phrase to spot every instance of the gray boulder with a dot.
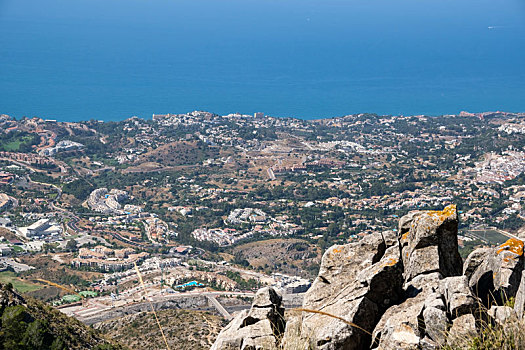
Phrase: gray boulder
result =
(357, 282)
(436, 322)
(462, 331)
(257, 328)
(458, 297)
(429, 249)
(419, 322)
(498, 276)
(519, 302)
(474, 260)
(429, 243)
(399, 326)
(502, 314)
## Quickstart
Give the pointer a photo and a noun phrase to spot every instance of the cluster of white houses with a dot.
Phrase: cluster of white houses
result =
(107, 202)
(107, 259)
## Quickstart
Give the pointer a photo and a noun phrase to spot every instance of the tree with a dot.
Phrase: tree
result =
(78, 188)
(332, 229)
(48, 247)
(239, 259)
(71, 245)
(14, 325)
(37, 335)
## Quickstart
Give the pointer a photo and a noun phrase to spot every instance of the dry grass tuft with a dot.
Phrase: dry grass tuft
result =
(493, 335)
(509, 336)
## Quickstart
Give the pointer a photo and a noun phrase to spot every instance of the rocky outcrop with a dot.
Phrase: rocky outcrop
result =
(9, 298)
(496, 273)
(519, 302)
(409, 290)
(429, 248)
(429, 243)
(258, 328)
(357, 282)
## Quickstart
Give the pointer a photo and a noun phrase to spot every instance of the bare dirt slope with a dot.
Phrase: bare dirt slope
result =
(289, 256)
(183, 329)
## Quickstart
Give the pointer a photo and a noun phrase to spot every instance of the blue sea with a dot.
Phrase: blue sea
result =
(111, 59)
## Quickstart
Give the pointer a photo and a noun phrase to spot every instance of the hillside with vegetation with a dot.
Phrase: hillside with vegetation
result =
(289, 256)
(28, 324)
(184, 330)
(180, 153)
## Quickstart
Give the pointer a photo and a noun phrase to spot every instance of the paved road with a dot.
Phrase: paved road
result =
(99, 309)
(33, 169)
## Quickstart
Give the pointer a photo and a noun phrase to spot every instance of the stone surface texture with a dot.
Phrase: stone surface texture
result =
(257, 328)
(393, 290)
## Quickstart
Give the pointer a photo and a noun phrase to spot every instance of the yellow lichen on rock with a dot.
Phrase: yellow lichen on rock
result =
(509, 259)
(448, 211)
(512, 245)
(390, 262)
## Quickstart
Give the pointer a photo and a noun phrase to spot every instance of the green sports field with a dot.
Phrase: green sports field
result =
(20, 285)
